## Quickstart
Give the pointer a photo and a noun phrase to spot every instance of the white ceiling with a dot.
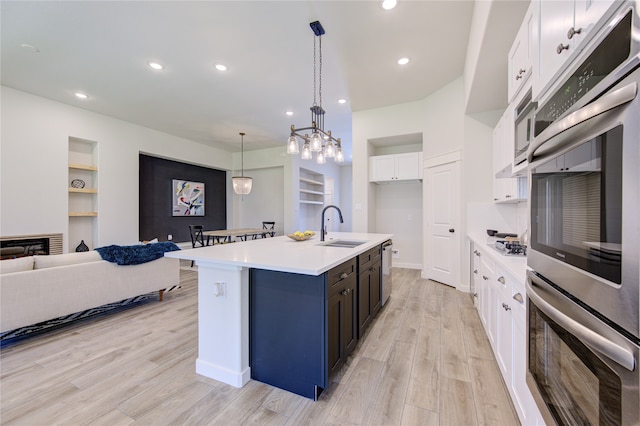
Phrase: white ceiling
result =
(102, 48)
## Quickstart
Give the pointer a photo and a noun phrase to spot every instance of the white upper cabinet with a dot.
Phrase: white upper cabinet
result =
(564, 28)
(395, 167)
(520, 61)
(556, 18)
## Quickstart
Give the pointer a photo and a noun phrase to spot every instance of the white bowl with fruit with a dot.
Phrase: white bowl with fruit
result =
(301, 236)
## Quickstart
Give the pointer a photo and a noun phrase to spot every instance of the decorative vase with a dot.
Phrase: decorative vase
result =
(82, 247)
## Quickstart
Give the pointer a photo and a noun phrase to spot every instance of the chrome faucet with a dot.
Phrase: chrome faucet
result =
(322, 230)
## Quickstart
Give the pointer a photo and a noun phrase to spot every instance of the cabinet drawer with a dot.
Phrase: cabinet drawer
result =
(366, 259)
(337, 275)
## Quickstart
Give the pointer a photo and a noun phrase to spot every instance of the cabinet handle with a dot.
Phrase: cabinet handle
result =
(343, 275)
(561, 47)
(518, 77)
(475, 271)
(507, 196)
(475, 295)
(501, 280)
(344, 292)
(572, 31)
(521, 71)
(495, 199)
(484, 277)
(506, 307)
(518, 298)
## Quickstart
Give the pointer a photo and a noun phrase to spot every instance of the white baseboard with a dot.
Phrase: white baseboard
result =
(406, 265)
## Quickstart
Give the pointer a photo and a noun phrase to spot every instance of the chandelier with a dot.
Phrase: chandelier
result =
(242, 184)
(321, 142)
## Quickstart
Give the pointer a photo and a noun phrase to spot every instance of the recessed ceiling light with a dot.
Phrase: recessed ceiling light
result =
(403, 61)
(389, 4)
(342, 101)
(221, 67)
(289, 113)
(156, 66)
(81, 95)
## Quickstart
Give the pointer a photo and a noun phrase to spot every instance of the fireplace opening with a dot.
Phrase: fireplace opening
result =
(10, 249)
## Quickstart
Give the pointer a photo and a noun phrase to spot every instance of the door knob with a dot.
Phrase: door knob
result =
(452, 230)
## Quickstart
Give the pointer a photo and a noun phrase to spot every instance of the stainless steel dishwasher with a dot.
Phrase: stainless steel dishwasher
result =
(387, 249)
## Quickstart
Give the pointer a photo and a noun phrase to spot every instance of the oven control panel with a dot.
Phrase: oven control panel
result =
(613, 51)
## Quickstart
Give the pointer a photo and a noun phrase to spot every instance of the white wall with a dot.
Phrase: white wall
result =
(265, 202)
(439, 117)
(34, 157)
(399, 212)
(346, 197)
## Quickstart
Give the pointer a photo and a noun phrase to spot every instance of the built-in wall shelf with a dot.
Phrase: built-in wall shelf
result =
(307, 191)
(83, 201)
(83, 167)
(84, 190)
(311, 181)
(311, 187)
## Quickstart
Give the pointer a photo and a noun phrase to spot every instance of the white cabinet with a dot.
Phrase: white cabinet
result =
(488, 298)
(565, 27)
(510, 190)
(506, 189)
(502, 310)
(395, 167)
(504, 333)
(520, 60)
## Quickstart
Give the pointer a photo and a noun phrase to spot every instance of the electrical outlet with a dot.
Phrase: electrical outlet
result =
(395, 253)
(169, 237)
(219, 289)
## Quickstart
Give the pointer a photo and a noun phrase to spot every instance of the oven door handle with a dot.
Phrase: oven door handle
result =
(603, 104)
(590, 338)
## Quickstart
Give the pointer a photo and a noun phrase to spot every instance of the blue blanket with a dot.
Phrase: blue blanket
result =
(135, 255)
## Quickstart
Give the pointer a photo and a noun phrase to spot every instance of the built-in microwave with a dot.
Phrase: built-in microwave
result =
(523, 129)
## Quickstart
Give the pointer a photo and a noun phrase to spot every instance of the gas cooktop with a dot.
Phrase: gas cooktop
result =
(510, 248)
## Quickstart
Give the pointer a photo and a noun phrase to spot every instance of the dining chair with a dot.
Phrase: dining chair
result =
(197, 237)
(270, 229)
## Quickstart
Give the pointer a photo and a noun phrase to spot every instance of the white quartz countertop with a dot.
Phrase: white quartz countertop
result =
(283, 254)
(517, 265)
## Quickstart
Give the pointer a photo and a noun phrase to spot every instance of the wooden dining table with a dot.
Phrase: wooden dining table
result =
(226, 234)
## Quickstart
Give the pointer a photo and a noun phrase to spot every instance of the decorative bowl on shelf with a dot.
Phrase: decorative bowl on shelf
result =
(77, 183)
(301, 236)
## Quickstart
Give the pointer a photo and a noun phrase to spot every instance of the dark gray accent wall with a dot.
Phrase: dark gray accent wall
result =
(156, 219)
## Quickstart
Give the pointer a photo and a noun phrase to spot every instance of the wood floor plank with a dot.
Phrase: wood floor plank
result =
(416, 416)
(492, 402)
(424, 388)
(456, 403)
(388, 401)
(353, 402)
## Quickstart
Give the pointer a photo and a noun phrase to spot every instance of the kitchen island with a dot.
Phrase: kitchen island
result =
(269, 299)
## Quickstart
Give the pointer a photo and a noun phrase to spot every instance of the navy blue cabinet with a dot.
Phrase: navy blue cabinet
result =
(302, 328)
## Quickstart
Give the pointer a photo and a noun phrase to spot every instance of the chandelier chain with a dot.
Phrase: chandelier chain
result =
(320, 79)
(315, 89)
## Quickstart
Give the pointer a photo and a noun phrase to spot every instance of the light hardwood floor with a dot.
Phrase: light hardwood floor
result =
(424, 361)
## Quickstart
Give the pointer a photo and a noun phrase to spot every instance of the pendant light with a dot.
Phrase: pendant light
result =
(320, 142)
(242, 184)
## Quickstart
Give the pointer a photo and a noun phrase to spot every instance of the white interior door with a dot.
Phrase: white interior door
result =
(443, 219)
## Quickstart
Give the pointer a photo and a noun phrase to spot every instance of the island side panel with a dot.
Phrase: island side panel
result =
(223, 329)
(287, 328)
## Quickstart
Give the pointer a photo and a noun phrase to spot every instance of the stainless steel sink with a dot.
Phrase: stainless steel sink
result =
(342, 243)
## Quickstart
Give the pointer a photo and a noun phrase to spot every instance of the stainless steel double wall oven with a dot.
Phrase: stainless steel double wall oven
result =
(583, 287)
